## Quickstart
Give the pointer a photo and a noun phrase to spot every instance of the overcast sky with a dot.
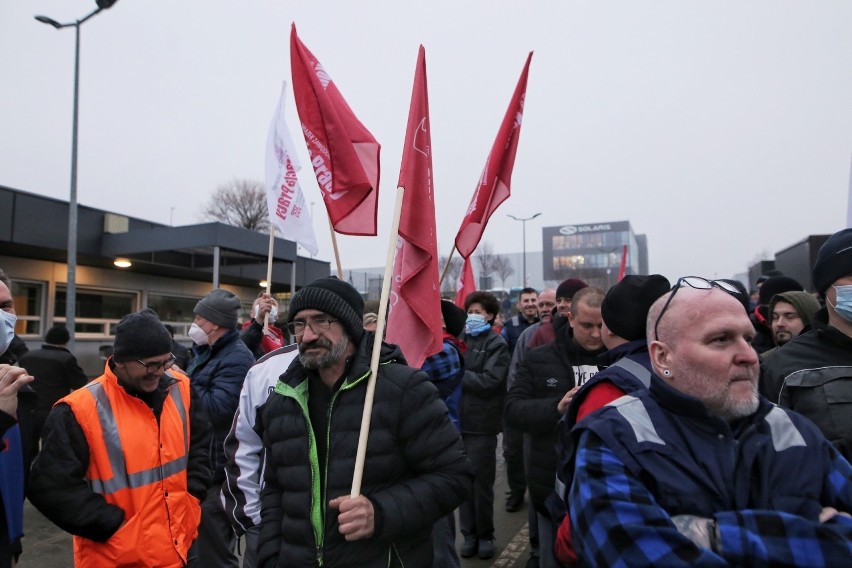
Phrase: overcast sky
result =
(721, 130)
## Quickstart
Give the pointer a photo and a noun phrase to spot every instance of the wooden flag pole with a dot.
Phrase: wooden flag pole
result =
(336, 252)
(377, 349)
(446, 266)
(269, 275)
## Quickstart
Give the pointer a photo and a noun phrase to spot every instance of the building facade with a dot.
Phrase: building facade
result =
(593, 252)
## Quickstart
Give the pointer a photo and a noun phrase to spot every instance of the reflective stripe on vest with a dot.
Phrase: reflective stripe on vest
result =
(632, 410)
(636, 369)
(784, 433)
(121, 479)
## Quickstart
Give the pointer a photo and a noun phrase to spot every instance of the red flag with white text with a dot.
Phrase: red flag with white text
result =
(466, 283)
(287, 208)
(344, 155)
(495, 182)
(414, 322)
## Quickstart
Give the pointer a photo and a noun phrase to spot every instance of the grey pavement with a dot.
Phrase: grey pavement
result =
(47, 546)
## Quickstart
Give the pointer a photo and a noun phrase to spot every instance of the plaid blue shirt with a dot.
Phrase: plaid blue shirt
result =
(444, 369)
(617, 522)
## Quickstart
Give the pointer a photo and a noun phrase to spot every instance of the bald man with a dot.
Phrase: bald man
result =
(699, 469)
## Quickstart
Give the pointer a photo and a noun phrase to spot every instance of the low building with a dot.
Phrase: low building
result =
(796, 261)
(170, 269)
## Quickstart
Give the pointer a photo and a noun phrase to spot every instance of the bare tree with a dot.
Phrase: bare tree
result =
(503, 267)
(451, 281)
(241, 203)
(485, 257)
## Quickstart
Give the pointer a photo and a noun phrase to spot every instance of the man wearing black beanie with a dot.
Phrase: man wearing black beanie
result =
(415, 471)
(812, 374)
(624, 311)
(125, 459)
(56, 371)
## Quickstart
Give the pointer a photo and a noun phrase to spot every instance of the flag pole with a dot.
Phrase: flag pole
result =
(269, 275)
(377, 348)
(334, 246)
(446, 266)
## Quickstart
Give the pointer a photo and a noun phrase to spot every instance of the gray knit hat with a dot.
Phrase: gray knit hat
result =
(140, 335)
(220, 307)
(334, 297)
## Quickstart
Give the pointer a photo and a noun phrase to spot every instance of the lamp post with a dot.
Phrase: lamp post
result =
(524, 230)
(71, 289)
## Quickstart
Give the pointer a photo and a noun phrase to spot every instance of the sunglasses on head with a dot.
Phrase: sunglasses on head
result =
(698, 283)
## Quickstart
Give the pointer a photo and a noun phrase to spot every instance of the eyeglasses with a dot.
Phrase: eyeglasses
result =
(698, 283)
(317, 325)
(155, 366)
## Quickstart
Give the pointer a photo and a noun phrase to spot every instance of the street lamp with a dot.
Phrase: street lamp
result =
(524, 229)
(71, 289)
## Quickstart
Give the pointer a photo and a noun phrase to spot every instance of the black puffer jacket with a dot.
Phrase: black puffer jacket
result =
(546, 374)
(486, 367)
(415, 470)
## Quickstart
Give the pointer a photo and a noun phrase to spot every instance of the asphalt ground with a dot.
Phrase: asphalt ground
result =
(47, 546)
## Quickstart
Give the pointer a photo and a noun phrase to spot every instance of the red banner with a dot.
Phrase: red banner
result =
(495, 182)
(414, 322)
(466, 283)
(344, 155)
(623, 266)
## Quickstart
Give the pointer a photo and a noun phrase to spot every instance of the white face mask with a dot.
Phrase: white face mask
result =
(198, 335)
(7, 329)
(273, 313)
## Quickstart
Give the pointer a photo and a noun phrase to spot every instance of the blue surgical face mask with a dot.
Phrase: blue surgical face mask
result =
(7, 329)
(843, 307)
(475, 325)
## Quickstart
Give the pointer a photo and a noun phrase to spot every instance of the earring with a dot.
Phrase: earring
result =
(667, 373)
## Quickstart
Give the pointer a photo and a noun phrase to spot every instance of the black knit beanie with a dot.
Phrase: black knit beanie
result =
(140, 335)
(834, 260)
(569, 287)
(57, 335)
(776, 285)
(334, 297)
(220, 307)
(454, 317)
(625, 307)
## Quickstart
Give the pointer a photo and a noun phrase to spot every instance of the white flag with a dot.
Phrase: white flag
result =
(287, 209)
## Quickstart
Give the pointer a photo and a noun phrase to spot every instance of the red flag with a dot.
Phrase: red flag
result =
(496, 179)
(344, 154)
(466, 283)
(623, 266)
(414, 322)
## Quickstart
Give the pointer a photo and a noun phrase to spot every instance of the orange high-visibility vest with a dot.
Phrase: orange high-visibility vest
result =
(140, 466)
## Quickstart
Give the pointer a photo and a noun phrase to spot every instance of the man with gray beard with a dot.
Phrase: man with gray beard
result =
(699, 469)
(415, 471)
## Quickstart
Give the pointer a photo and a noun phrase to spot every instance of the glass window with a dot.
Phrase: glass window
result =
(173, 309)
(98, 311)
(29, 306)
